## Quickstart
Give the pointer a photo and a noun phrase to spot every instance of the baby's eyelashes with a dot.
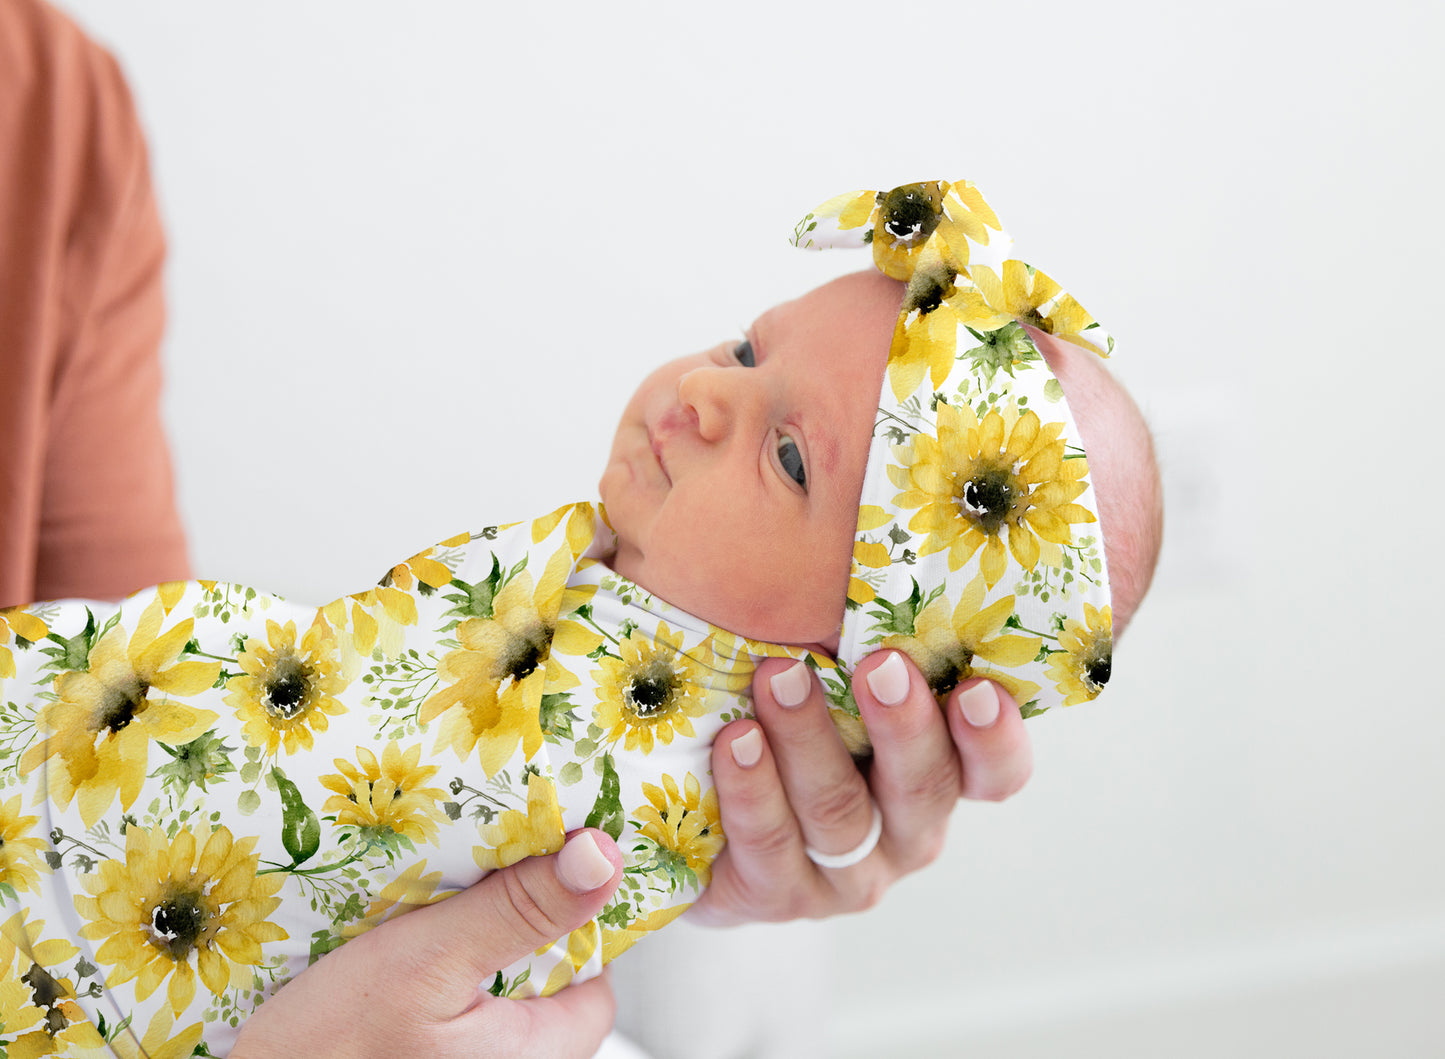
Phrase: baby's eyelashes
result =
(792, 461)
(743, 354)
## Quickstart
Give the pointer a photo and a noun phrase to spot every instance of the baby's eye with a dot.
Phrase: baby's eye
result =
(792, 461)
(743, 353)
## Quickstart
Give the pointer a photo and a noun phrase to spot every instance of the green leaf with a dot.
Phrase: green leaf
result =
(75, 651)
(616, 915)
(248, 802)
(555, 713)
(300, 830)
(607, 811)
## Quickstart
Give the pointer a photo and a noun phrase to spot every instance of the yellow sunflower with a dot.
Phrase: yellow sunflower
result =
(39, 1013)
(157, 1042)
(170, 900)
(1082, 668)
(406, 893)
(904, 220)
(939, 301)
(20, 864)
(581, 526)
(581, 945)
(1031, 297)
(617, 940)
(386, 794)
(422, 568)
(517, 835)
(19, 622)
(979, 480)
(287, 690)
(653, 692)
(491, 687)
(684, 822)
(872, 554)
(950, 645)
(105, 717)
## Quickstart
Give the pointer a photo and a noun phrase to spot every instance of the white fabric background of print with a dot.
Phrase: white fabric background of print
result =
(439, 249)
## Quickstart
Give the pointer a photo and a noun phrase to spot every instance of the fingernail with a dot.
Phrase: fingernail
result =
(979, 704)
(582, 866)
(748, 749)
(790, 687)
(889, 682)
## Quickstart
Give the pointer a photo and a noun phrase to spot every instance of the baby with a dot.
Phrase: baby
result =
(204, 787)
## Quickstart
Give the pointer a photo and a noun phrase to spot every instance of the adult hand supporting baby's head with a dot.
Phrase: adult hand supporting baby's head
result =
(410, 987)
(786, 784)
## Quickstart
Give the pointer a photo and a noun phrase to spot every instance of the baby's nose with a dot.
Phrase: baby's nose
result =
(722, 399)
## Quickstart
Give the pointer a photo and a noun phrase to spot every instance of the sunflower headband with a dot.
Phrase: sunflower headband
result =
(978, 550)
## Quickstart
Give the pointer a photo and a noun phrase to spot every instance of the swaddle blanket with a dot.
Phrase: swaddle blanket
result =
(205, 787)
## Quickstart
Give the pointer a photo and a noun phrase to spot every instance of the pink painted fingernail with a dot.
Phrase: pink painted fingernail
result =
(790, 687)
(889, 682)
(582, 866)
(979, 704)
(748, 749)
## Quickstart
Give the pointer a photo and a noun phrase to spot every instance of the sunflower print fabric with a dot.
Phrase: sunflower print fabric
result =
(204, 788)
(978, 549)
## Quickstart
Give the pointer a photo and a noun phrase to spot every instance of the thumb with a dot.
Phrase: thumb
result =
(516, 910)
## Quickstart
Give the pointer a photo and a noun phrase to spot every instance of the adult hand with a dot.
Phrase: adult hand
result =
(410, 987)
(785, 784)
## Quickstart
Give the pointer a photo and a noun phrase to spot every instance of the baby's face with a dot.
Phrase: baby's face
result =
(734, 478)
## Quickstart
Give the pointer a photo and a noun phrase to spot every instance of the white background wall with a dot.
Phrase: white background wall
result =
(407, 233)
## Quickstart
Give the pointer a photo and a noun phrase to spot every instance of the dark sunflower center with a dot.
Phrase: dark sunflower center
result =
(909, 215)
(1033, 319)
(371, 790)
(650, 691)
(945, 673)
(286, 687)
(648, 695)
(177, 923)
(120, 704)
(525, 655)
(987, 498)
(926, 293)
(48, 994)
(1096, 672)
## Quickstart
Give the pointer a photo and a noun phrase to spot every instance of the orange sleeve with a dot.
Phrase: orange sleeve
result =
(86, 496)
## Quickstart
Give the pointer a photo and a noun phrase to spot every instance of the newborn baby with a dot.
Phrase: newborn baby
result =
(205, 787)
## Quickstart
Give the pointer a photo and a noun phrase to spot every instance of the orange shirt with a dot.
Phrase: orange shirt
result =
(87, 506)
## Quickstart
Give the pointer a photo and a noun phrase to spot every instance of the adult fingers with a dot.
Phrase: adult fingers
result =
(993, 743)
(825, 789)
(464, 941)
(570, 1023)
(915, 775)
(762, 872)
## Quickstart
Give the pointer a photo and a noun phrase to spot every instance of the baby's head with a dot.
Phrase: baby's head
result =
(735, 478)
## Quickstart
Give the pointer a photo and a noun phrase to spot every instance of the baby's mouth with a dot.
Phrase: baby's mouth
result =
(657, 455)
